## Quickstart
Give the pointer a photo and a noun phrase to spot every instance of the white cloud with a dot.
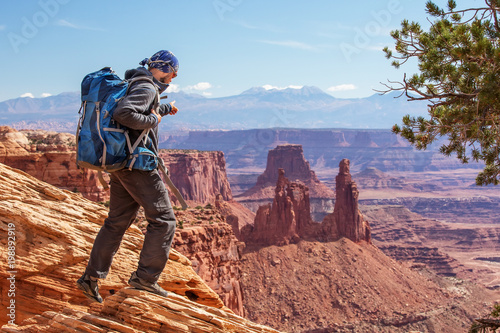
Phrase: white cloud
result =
(46, 95)
(270, 87)
(291, 43)
(342, 87)
(28, 94)
(173, 88)
(200, 86)
(64, 23)
(67, 24)
(2, 27)
(264, 27)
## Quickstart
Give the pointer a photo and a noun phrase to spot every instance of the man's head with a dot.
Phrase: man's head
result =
(163, 65)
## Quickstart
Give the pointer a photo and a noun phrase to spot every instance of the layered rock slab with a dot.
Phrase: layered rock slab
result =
(51, 157)
(131, 310)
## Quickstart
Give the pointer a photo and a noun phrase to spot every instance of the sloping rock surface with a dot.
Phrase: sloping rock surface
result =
(54, 231)
(342, 286)
(131, 310)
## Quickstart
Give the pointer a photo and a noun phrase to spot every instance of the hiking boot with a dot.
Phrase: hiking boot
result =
(90, 287)
(142, 284)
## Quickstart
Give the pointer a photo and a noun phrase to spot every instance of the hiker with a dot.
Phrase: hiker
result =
(130, 189)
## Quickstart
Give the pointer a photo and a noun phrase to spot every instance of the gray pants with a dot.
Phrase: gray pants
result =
(129, 190)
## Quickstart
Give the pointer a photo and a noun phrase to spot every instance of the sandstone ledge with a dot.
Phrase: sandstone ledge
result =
(131, 310)
(54, 232)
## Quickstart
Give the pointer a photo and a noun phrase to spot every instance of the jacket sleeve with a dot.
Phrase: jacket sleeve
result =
(134, 111)
(165, 109)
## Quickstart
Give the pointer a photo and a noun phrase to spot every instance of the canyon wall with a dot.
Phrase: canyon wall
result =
(461, 250)
(49, 156)
(323, 148)
(199, 176)
(215, 255)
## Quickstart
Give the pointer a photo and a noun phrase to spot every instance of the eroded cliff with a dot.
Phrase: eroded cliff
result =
(288, 218)
(199, 176)
(51, 157)
(54, 230)
(291, 159)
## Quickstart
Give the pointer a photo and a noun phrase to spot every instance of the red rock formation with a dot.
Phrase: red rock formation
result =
(49, 156)
(348, 218)
(291, 159)
(286, 219)
(344, 286)
(205, 238)
(54, 230)
(236, 215)
(289, 217)
(215, 252)
(132, 310)
(199, 176)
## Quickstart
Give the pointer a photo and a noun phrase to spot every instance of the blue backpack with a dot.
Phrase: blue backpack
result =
(102, 143)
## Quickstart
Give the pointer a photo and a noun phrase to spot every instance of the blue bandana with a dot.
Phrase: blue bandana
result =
(164, 60)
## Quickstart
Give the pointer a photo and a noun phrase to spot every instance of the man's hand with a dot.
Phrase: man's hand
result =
(174, 108)
(157, 116)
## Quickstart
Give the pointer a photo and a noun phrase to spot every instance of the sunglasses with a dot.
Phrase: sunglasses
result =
(173, 70)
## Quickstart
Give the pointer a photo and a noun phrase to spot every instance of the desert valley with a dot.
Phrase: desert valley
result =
(287, 230)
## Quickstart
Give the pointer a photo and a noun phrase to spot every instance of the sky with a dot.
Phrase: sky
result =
(224, 47)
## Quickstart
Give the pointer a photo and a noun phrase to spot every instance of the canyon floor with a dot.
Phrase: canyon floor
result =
(347, 287)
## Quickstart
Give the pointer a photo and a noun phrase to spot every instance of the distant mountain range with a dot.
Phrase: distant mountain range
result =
(308, 107)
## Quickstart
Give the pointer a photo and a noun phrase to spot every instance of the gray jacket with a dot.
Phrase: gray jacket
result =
(134, 110)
